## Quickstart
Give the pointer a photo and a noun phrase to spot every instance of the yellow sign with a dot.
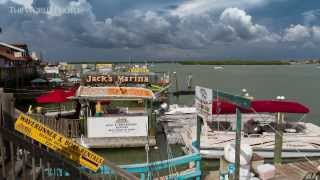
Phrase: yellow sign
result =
(57, 142)
(129, 91)
(102, 66)
(115, 92)
(139, 70)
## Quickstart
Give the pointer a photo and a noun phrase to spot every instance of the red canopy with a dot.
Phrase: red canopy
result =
(266, 106)
(56, 96)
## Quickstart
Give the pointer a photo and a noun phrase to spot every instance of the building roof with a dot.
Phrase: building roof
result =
(13, 46)
(13, 58)
(16, 47)
(114, 93)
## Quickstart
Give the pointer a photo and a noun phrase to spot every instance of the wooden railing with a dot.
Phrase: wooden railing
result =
(68, 127)
(23, 158)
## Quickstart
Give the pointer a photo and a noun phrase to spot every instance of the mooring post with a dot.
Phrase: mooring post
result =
(198, 138)
(198, 164)
(176, 81)
(278, 139)
(189, 81)
(238, 143)
(278, 136)
(153, 119)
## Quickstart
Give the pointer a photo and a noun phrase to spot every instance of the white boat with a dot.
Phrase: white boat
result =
(300, 139)
(305, 143)
(218, 67)
(176, 109)
(175, 119)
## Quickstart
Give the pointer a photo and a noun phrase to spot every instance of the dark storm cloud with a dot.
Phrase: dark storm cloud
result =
(148, 29)
(41, 3)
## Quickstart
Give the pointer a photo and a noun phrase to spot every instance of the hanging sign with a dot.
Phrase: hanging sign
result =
(124, 126)
(115, 92)
(57, 142)
(105, 79)
(203, 101)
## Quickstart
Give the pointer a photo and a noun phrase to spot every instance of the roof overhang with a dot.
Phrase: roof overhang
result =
(113, 93)
(12, 47)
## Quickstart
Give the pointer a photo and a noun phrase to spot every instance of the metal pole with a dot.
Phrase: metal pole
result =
(238, 142)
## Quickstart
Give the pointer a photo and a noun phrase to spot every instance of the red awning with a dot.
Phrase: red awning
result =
(56, 96)
(260, 106)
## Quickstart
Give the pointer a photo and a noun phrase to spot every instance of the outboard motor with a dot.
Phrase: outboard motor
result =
(163, 108)
(252, 127)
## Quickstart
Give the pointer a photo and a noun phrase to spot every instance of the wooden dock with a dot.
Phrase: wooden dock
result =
(298, 170)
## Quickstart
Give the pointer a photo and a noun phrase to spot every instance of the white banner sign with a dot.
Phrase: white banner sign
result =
(124, 126)
(204, 101)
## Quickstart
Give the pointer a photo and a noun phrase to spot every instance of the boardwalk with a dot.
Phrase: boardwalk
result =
(297, 170)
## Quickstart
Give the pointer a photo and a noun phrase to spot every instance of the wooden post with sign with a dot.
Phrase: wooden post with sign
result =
(240, 102)
(203, 99)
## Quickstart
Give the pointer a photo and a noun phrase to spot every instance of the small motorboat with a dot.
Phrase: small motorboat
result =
(218, 67)
(300, 139)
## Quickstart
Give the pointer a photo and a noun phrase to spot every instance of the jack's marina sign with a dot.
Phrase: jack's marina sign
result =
(94, 79)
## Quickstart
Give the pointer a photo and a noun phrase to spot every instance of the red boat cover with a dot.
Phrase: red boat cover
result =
(259, 106)
(56, 96)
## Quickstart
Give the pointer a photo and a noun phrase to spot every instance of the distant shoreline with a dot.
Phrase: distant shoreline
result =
(202, 62)
(234, 62)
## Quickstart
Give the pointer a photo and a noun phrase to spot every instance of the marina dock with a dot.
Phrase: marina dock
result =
(295, 170)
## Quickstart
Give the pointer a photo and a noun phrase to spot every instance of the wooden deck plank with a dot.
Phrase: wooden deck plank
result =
(296, 170)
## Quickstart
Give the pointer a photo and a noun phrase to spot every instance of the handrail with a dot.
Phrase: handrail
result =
(160, 165)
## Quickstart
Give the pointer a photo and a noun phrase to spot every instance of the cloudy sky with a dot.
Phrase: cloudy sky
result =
(164, 29)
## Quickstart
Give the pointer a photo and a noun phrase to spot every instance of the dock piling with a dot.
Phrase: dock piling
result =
(238, 145)
(278, 136)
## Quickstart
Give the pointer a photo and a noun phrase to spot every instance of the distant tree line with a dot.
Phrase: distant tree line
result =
(234, 62)
(190, 62)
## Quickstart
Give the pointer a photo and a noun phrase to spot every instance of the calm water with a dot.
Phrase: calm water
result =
(295, 82)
